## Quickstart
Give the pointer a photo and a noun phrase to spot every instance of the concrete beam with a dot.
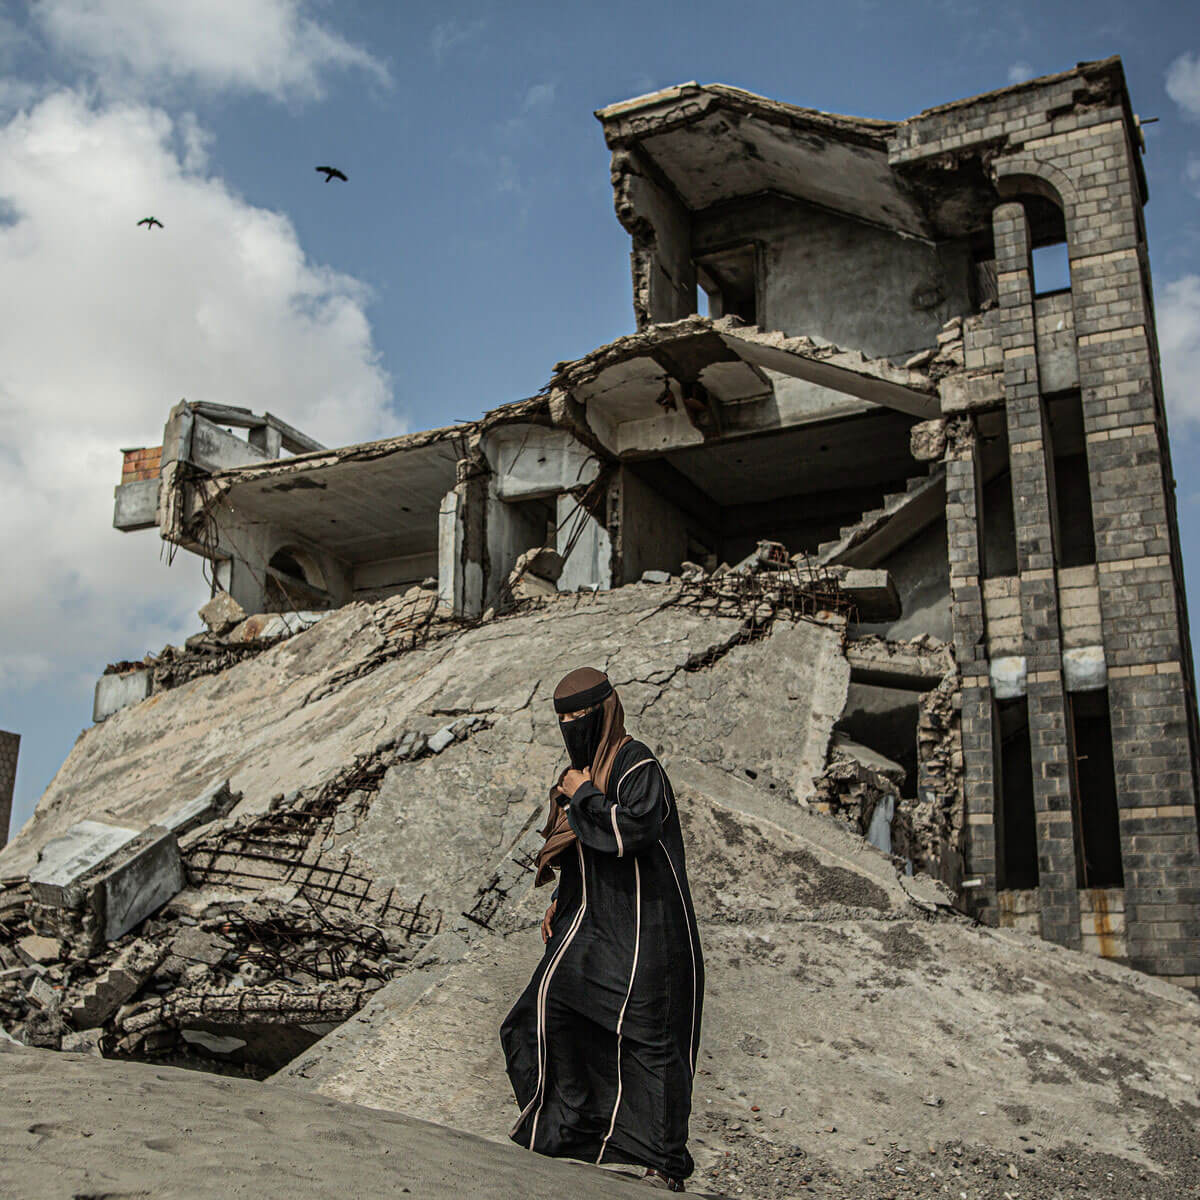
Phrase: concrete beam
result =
(886, 664)
(842, 371)
(65, 859)
(529, 461)
(135, 881)
(136, 505)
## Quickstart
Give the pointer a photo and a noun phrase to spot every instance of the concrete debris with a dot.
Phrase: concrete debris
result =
(102, 882)
(127, 683)
(222, 613)
(927, 439)
(97, 1000)
(210, 805)
(656, 577)
(541, 561)
(116, 691)
(42, 994)
(65, 859)
(268, 628)
(36, 949)
(83, 1041)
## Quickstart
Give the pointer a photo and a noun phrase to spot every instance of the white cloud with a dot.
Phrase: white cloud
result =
(1191, 172)
(104, 326)
(540, 95)
(1178, 320)
(449, 35)
(268, 46)
(1019, 72)
(1183, 83)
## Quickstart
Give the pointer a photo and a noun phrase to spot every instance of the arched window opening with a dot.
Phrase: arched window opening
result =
(295, 582)
(1047, 244)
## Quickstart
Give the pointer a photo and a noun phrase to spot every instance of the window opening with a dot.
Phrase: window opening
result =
(1051, 269)
(1016, 839)
(1097, 820)
(997, 525)
(1074, 529)
(730, 280)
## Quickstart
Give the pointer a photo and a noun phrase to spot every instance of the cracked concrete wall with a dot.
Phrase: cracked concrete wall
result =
(853, 284)
(664, 276)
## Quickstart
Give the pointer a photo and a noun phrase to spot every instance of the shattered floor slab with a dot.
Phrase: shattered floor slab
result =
(841, 1021)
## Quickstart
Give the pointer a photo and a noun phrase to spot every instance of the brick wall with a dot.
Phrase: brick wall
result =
(1072, 137)
(141, 464)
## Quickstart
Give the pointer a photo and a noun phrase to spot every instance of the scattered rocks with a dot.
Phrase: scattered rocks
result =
(222, 613)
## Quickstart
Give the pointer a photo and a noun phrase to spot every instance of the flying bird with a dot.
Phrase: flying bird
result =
(333, 173)
(150, 222)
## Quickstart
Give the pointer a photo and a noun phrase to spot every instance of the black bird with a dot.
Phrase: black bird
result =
(333, 173)
(150, 222)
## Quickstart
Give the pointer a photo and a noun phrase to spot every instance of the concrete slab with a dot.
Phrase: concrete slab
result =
(211, 804)
(64, 859)
(115, 692)
(135, 505)
(135, 881)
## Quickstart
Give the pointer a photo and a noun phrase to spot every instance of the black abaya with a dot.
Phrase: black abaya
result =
(601, 1046)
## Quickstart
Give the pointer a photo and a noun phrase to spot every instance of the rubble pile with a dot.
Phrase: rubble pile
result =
(232, 637)
(937, 817)
(865, 797)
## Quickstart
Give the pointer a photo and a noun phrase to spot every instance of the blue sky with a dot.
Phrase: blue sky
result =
(474, 246)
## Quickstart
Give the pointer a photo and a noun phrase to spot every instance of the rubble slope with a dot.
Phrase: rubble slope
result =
(845, 1026)
(851, 1021)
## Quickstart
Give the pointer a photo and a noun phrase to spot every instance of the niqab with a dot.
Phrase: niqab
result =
(584, 688)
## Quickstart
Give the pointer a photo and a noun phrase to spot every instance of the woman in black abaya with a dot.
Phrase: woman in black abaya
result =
(601, 1046)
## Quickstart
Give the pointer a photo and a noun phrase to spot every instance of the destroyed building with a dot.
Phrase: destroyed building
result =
(929, 350)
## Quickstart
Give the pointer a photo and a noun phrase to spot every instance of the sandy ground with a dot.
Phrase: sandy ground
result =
(74, 1127)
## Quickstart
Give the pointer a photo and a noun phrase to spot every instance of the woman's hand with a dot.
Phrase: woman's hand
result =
(546, 930)
(573, 780)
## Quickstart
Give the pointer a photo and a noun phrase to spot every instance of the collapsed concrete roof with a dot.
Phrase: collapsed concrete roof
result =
(373, 501)
(679, 383)
(712, 143)
(717, 143)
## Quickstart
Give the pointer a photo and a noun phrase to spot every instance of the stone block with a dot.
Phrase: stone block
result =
(135, 881)
(655, 577)
(102, 996)
(1084, 669)
(873, 593)
(83, 1041)
(64, 859)
(1008, 676)
(222, 613)
(37, 949)
(115, 692)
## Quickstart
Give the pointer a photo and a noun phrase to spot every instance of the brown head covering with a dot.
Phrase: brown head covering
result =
(581, 689)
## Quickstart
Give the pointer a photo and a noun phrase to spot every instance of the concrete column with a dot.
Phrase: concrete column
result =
(1048, 723)
(10, 744)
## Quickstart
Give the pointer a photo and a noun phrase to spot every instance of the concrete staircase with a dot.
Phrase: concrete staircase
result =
(877, 533)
